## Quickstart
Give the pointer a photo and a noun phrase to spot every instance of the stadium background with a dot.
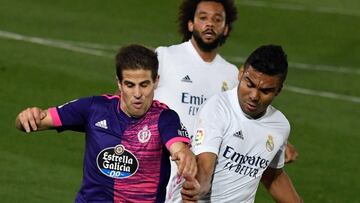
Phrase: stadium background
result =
(54, 51)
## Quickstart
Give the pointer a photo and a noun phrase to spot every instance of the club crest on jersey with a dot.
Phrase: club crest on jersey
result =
(144, 135)
(199, 137)
(117, 162)
(270, 143)
(224, 86)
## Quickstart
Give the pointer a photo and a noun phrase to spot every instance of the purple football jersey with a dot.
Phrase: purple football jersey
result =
(126, 159)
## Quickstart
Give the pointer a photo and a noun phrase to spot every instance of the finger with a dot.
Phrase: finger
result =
(36, 114)
(24, 122)
(42, 115)
(32, 120)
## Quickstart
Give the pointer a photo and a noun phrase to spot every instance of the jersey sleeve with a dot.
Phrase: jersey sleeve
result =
(72, 115)
(279, 159)
(209, 127)
(171, 130)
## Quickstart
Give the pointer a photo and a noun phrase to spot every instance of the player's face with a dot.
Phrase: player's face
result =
(256, 91)
(209, 25)
(137, 92)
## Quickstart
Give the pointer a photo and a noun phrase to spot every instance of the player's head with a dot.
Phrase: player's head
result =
(137, 73)
(208, 22)
(261, 79)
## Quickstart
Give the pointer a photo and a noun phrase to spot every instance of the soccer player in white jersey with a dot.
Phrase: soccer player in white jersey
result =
(193, 71)
(241, 138)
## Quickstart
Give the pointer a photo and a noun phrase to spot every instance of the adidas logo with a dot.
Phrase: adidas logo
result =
(239, 134)
(101, 124)
(186, 79)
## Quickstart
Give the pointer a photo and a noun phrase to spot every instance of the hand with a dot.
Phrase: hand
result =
(191, 190)
(186, 162)
(290, 153)
(30, 119)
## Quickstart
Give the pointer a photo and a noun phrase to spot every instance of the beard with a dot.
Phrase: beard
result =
(208, 47)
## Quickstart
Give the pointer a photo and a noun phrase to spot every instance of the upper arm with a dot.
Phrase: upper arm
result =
(206, 165)
(171, 130)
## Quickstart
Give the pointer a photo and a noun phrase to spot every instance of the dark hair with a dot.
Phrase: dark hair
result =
(270, 60)
(134, 57)
(187, 13)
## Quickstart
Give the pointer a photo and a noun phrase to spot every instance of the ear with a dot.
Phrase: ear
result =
(156, 83)
(190, 26)
(279, 90)
(226, 30)
(241, 73)
(119, 85)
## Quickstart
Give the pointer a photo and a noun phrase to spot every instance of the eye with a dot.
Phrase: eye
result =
(218, 19)
(129, 85)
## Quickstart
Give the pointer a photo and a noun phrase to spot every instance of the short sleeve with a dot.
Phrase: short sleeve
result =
(209, 127)
(279, 159)
(72, 115)
(170, 128)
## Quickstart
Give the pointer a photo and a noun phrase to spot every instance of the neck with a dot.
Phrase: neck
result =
(206, 56)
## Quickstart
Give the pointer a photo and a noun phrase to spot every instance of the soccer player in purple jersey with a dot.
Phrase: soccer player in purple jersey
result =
(128, 137)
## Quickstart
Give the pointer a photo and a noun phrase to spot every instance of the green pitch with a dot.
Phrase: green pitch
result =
(54, 51)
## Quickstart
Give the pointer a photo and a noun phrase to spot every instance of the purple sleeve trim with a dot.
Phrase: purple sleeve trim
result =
(55, 117)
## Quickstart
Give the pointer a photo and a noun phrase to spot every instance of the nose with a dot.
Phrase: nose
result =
(137, 92)
(254, 95)
(210, 23)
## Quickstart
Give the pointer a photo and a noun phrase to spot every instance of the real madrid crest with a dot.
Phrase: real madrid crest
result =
(270, 143)
(144, 135)
(224, 86)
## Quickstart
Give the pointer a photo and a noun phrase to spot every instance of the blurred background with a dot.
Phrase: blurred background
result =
(55, 51)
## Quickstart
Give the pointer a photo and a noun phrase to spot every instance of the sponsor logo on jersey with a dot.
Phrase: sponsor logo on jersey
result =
(199, 137)
(186, 79)
(193, 101)
(101, 124)
(144, 135)
(183, 131)
(224, 86)
(239, 134)
(244, 164)
(270, 143)
(117, 162)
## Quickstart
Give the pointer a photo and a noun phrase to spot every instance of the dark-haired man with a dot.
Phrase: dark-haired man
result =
(129, 138)
(193, 71)
(241, 138)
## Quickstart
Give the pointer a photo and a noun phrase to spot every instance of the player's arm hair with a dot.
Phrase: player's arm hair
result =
(206, 165)
(279, 185)
(33, 119)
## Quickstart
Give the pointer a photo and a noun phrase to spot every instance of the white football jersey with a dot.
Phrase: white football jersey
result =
(186, 82)
(245, 147)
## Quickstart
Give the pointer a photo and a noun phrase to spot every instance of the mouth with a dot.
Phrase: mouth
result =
(251, 106)
(138, 105)
(209, 33)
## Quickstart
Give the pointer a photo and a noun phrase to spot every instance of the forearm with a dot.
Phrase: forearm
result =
(206, 165)
(280, 187)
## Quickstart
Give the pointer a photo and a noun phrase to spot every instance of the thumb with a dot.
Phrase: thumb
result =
(42, 115)
(174, 157)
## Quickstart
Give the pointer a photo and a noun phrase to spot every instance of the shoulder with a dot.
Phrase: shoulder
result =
(217, 104)
(173, 49)
(277, 118)
(226, 64)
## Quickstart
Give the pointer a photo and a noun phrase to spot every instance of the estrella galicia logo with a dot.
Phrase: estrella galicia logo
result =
(117, 162)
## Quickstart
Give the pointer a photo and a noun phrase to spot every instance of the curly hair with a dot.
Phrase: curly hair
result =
(187, 12)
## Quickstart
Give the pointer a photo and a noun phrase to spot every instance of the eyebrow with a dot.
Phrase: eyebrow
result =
(263, 89)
